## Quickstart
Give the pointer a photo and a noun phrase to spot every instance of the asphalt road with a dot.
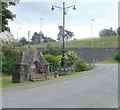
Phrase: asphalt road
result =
(94, 89)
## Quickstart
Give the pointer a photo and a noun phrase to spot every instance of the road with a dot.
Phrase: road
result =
(94, 89)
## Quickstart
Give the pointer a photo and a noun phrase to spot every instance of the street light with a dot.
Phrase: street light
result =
(28, 39)
(92, 32)
(64, 13)
(41, 29)
(17, 33)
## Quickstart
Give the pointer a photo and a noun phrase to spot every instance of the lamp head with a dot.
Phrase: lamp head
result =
(52, 8)
(74, 8)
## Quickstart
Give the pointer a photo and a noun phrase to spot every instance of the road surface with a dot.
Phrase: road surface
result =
(94, 89)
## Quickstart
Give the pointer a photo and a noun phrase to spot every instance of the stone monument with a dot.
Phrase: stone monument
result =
(30, 66)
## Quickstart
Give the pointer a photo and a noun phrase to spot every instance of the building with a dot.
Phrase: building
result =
(6, 36)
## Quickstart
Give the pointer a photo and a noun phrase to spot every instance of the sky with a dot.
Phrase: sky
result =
(29, 14)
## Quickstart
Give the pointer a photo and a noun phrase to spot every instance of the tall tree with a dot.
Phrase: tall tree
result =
(41, 35)
(68, 34)
(36, 38)
(23, 40)
(107, 33)
(6, 13)
(118, 31)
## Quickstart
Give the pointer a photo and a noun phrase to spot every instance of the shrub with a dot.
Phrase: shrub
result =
(7, 65)
(71, 58)
(117, 56)
(10, 53)
(53, 60)
(81, 65)
(53, 50)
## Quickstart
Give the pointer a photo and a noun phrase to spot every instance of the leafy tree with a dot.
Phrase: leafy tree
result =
(37, 38)
(57, 50)
(68, 34)
(7, 14)
(41, 37)
(23, 40)
(118, 31)
(107, 33)
(48, 39)
(10, 52)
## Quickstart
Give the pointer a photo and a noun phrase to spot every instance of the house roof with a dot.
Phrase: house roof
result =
(7, 36)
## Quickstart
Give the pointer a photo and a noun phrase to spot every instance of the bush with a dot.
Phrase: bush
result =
(71, 58)
(117, 56)
(7, 65)
(53, 50)
(10, 53)
(53, 60)
(81, 65)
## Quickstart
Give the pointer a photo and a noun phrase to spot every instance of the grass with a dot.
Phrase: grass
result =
(95, 42)
(110, 60)
(76, 73)
(6, 80)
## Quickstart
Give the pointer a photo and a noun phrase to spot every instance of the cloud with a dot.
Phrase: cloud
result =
(78, 21)
(70, 1)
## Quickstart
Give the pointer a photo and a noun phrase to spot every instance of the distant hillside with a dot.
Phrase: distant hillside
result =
(95, 42)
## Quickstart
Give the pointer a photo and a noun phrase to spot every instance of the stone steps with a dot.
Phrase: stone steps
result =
(37, 79)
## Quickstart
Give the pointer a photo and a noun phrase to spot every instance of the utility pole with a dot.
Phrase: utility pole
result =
(28, 39)
(17, 33)
(41, 29)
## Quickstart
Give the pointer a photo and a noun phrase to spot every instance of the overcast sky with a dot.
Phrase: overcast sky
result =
(29, 14)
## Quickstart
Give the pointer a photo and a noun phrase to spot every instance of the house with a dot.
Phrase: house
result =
(6, 36)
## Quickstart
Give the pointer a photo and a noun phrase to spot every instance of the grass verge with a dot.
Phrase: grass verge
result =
(6, 80)
(110, 60)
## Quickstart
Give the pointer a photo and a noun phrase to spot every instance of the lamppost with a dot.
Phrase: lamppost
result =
(41, 29)
(17, 33)
(92, 32)
(63, 38)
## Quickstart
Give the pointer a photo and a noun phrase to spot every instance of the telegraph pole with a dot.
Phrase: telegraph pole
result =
(28, 39)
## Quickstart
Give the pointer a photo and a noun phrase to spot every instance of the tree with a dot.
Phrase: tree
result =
(23, 40)
(107, 33)
(37, 38)
(41, 37)
(118, 31)
(7, 14)
(68, 34)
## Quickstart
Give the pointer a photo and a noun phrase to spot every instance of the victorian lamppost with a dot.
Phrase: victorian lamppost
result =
(63, 38)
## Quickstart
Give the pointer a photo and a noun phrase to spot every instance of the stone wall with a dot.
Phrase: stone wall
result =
(93, 53)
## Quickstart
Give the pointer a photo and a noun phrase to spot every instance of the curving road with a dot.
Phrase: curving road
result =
(94, 89)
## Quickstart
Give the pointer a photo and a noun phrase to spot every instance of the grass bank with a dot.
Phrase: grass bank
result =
(95, 42)
(110, 60)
